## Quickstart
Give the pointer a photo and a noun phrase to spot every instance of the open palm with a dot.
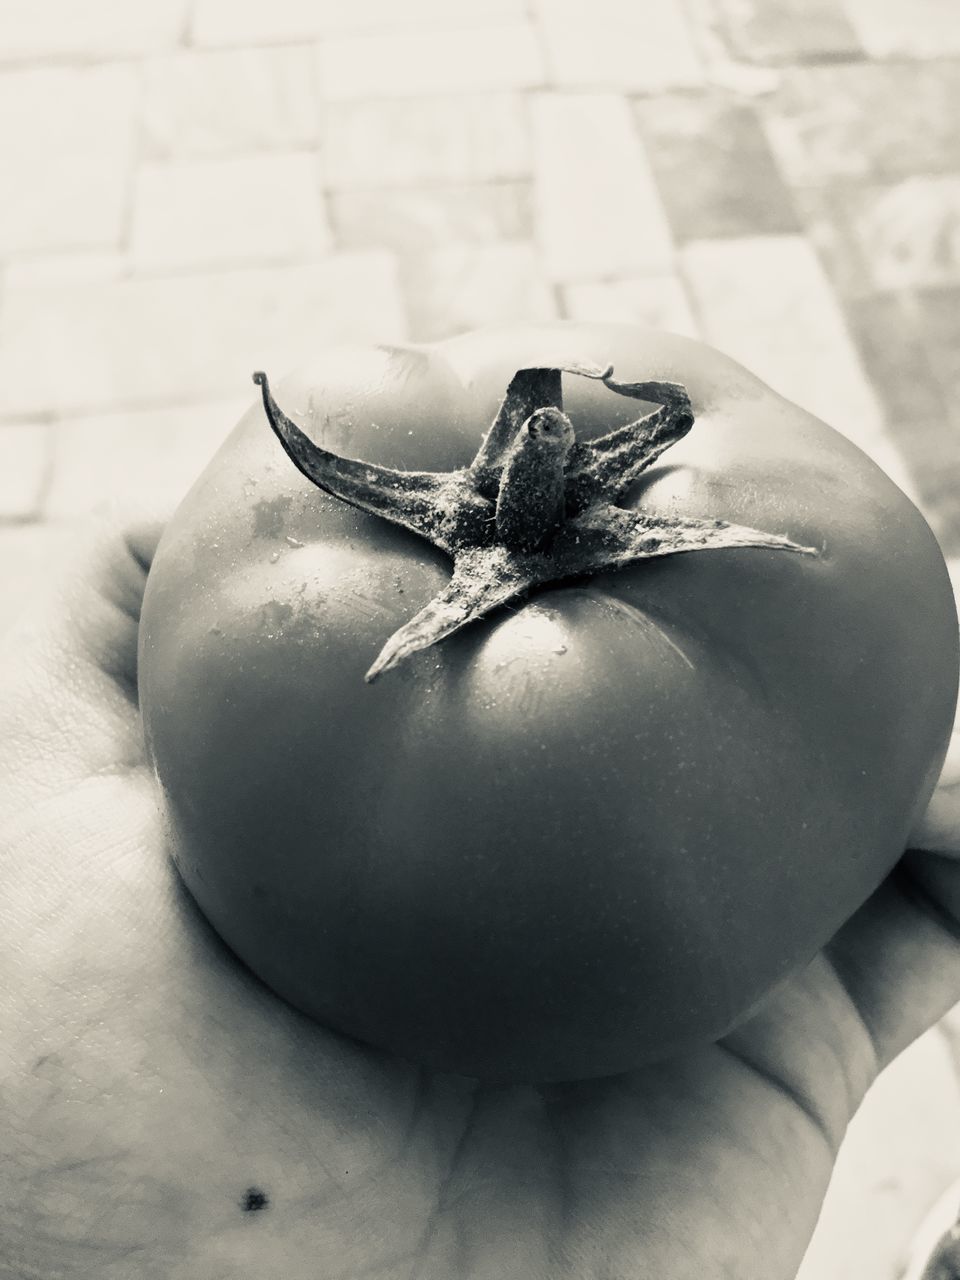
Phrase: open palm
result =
(162, 1114)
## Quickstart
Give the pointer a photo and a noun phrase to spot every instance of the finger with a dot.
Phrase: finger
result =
(939, 829)
(68, 669)
(899, 956)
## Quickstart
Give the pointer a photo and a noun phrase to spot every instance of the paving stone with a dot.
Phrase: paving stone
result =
(879, 236)
(658, 301)
(909, 232)
(888, 330)
(234, 210)
(241, 22)
(901, 361)
(59, 268)
(214, 102)
(148, 458)
(722, 69)
(901, 1151)
(142, 342)
(24, 467)
(29, 553)
(713, 166)
(459, 287)
(596, 206)
(466, 138)
(644, 47)
(98, 29)
(938, 318)
(65, 141)
(870, 121)
(906, 28)
(410, 219)
(792, 335)
(459, 60)
(824, 214)
(787, 31)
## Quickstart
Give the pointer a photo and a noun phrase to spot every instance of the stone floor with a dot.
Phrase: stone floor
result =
(194, 188)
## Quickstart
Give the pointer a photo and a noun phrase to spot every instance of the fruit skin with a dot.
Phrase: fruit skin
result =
(577, 836)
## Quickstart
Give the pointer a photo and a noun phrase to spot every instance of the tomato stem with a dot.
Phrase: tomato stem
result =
(534, 506)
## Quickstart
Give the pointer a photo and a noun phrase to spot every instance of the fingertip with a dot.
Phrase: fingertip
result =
(939, 829)
(142, 538)
(88, 596)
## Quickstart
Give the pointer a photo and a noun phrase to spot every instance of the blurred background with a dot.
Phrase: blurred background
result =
(193, 189)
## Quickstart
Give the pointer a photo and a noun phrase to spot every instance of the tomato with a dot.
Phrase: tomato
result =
(596, 825)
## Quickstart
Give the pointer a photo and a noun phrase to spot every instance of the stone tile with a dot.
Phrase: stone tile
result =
(97, 29)
(29, 553)
(713, 166)
(460, 287)
(787, 31)
(722, 69)
(886, 235)
(606, 45)
(468, 59)
(870, 121)
(894, 346)
(938, 319)
(206, 103)
(411, 219)
(901, 1150)
(659, 301)
(380, 15)
(65, 143)
(62, 268)
(906, 28)
(596, 206)
(909, 232)
(888, 331)
(242, 22)
(793, 335)
(140, 342)
(24, 467)
(824, 214)
(143, 459)
(206, 212)
(466, 138)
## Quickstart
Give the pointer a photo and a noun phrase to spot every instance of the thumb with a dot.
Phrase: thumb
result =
(938, 831)
(68, 703)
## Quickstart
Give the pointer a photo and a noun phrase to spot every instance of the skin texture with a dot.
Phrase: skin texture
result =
(163, 1115)
(584, 833)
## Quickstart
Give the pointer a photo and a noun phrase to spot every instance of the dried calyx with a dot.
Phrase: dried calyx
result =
(534, 506)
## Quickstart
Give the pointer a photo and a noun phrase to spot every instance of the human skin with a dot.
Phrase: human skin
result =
(163, 1114)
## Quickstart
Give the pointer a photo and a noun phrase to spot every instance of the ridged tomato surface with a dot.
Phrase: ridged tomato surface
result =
(592, 828)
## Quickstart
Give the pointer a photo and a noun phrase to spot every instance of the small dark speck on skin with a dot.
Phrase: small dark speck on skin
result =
(254, 1199)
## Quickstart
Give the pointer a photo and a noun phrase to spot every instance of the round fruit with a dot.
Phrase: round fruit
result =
(599, 818)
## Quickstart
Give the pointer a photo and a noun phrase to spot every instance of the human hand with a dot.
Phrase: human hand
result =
(165, 1115)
